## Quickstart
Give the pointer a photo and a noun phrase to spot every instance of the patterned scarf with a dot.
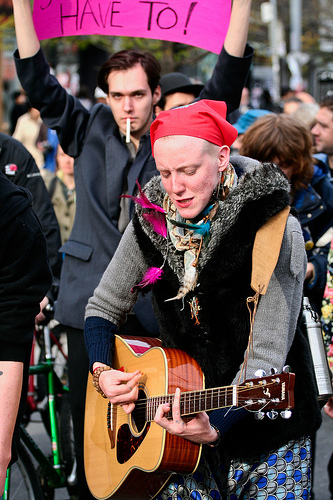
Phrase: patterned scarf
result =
(189, 235)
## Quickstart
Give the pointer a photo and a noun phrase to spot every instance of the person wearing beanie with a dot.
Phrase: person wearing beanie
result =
(190, 242)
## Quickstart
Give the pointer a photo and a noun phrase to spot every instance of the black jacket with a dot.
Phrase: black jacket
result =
(19, 167)
(24, 269)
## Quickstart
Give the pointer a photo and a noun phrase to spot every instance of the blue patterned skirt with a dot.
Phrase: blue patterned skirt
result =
(284, 474)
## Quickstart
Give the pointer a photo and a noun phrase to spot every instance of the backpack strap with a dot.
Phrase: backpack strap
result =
(266, 250)
(265, 254)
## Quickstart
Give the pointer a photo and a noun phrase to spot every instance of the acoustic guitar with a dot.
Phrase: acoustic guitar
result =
(130, 456)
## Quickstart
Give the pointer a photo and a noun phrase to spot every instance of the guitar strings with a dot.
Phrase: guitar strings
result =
(191, 397)
(124, 418)
(213, 392)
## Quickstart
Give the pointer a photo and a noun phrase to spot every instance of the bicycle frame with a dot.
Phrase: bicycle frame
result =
(53, 471)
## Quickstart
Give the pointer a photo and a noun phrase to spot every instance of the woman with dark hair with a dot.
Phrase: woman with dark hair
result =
(286, 142)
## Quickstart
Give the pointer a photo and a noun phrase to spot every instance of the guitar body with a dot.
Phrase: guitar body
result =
(126, 455)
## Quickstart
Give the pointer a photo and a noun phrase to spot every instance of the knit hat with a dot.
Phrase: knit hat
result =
(204, 119)
(245, 121)
(178, 82)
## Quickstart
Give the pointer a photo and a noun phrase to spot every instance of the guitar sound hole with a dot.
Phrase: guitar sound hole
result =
(127, 443)
(139, 413)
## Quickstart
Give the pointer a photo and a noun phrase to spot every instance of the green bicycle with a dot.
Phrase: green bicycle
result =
(26, 481)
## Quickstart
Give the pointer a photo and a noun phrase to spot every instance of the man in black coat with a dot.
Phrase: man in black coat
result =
(109, 157)
(25, 277)
(19, 167)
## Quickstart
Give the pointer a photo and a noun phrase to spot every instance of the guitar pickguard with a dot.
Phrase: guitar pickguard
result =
(127, 444)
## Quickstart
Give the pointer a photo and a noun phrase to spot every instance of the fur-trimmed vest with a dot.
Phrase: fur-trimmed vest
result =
(219, 341)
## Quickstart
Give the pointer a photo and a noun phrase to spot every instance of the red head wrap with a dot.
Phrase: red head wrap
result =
(204, 119)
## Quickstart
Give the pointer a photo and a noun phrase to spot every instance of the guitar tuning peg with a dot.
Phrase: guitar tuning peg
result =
(287, 369)
(260, 373)
(286, 414)
(272, 415)
(259, 415)
(273, 371)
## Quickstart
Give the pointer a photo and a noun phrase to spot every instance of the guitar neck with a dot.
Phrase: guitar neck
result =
(196, 401)
(271, 392)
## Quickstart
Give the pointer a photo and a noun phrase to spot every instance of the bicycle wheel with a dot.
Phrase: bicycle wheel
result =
(67, 443)
(24, 481)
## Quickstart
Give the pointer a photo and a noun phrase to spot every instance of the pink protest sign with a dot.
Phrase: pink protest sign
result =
(203, 23)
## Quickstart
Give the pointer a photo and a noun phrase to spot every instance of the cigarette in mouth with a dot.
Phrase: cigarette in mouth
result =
(128, 130)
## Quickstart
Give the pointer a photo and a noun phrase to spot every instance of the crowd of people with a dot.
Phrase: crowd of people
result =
(149, 204)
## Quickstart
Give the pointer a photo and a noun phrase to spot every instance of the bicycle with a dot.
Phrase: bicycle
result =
(24, 481)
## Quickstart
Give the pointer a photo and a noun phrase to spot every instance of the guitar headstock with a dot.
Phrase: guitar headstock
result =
(268, 393)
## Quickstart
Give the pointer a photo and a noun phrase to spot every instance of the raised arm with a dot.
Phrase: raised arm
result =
(59, 110)
(27, 41)
(236, 37)
(233, 65)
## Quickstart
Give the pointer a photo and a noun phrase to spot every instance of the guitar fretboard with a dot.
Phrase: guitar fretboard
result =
(196, 401)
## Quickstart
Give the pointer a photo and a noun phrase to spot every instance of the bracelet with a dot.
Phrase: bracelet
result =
(96, 368)
(215, 443)
(96, 373)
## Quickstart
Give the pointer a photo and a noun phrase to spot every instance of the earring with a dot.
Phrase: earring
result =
(218, 189)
